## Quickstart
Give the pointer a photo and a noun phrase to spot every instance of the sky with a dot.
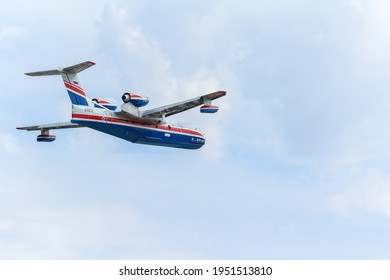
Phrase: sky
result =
(296, 163)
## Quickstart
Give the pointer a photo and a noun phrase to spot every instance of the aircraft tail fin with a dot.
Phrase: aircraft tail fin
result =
(72, 84)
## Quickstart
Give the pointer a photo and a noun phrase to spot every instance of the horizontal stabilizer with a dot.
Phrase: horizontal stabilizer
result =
(44, 73)
(68, 70)
(50, 126)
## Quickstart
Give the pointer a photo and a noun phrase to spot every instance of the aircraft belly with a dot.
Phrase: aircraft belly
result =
(113, 130)
(171, 139)
(147, 136)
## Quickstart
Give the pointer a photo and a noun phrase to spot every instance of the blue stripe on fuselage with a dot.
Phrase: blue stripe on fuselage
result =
(146, 136)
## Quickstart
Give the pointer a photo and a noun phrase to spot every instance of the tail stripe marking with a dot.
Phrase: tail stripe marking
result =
(74, 88)
(76, 94)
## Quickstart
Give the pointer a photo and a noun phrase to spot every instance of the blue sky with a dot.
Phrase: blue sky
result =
(296, 162)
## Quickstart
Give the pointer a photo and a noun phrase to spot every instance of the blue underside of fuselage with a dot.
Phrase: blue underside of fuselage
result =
(146, 136)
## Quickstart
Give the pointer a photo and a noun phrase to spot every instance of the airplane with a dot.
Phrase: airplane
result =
(130, 123)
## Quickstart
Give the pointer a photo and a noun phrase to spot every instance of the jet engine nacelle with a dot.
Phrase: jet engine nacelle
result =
(136, 99)
(107, 103)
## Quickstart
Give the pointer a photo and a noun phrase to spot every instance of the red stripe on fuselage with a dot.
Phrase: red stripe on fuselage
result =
(166, 128)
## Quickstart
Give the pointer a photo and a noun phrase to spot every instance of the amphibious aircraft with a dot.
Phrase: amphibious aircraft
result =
(129, 123)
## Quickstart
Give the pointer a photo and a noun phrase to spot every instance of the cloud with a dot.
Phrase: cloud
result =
(9, 143)
(368, 193)
(154, 74)
(8, 36)
(71, 233)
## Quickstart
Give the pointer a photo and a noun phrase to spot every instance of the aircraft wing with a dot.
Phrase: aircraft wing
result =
(62, 125)
(169, 110)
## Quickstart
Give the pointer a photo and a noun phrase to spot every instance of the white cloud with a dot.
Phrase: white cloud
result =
(9, 35)
(358, 6)
(71, 233)
(338, 204)
(367, 192)
(141, 63)
(374, 29)
(9, 143)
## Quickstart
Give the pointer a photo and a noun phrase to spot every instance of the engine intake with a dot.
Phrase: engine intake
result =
(107, 103)
(136, 99)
